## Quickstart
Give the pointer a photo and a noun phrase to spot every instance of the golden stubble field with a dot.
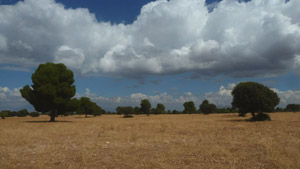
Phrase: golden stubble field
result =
(163, 141)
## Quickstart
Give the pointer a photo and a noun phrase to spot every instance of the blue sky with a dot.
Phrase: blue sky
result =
(165, 51)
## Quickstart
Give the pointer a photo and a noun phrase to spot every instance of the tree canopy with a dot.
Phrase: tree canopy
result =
(160, 109)
(127, 111)
(254, 97)
(189, 107)
(145, 106)
(52, 89)
(86, 106)
(207, 108)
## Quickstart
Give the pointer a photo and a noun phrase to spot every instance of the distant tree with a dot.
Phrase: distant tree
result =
(293, 107)
(3, 114)
(127, 111)
(189, 107)
(34, 114)
(279, 109)
(223, 110)
(254, 97)
(160, 109)
(169, 112)
(175, 112)
(145, 106)
(52, 89)
(207, 108)
(22, 113)
(136, 110)
(87, 107)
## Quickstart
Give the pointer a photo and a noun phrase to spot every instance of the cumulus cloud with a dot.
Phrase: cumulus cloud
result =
(239, 39)
(11, 99)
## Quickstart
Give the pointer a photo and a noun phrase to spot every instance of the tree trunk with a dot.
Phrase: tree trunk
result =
(85, 115)
(253, 114)
(53, 114)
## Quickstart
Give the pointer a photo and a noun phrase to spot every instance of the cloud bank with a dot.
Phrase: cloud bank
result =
(238, 39)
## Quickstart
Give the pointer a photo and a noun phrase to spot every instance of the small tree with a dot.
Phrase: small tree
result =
(87, 107)
(3, 114)
(207, 108)
(145, 106)
(52, 89)
(254, 97)
(23, 113)
(160, 109)
(127, 111)
(189, 107)
(293, 107)
(136, 110)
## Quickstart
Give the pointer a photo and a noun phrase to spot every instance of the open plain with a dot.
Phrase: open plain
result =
(157, 141)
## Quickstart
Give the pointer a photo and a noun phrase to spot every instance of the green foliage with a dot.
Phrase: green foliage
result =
(34, 114)
(189, 107)
(293, 108)
(52, 89)
(175, 112)
(23, 113)
(127, 111)
(87, 107)
(224, 110)
(3, 114)
(136, 110)
(262, 117)
(254, 97)
(207, 108)
(160, 109)
(145, 106)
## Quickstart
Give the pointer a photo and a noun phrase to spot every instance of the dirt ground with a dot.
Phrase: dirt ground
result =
(158, 141)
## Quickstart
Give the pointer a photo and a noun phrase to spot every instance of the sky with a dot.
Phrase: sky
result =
(168, 52)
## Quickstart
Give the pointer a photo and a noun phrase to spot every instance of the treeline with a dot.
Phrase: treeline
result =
(20, 113)
(53, 92)
(189, 108)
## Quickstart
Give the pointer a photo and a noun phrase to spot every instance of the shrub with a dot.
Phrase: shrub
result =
(207, 108)
(22, 113)
(261, 117)
(34, 114)
(128, 116)
(3, 114)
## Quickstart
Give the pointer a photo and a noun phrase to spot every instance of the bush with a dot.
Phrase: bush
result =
(3, 114)
(261, 117)
(34, 114)
(128, 116)
(22, 113)
(207, 108)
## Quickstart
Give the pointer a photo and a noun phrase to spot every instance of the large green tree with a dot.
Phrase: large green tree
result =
(189, 107)
(52, 89)
(254, 97)
(145, 106)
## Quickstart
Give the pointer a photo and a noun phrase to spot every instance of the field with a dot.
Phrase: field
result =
(163, 141)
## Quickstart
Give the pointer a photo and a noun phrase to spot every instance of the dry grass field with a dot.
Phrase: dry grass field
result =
(163, 141)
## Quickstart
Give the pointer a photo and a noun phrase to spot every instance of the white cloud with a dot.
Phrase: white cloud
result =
(11, 99)
(255, 38)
